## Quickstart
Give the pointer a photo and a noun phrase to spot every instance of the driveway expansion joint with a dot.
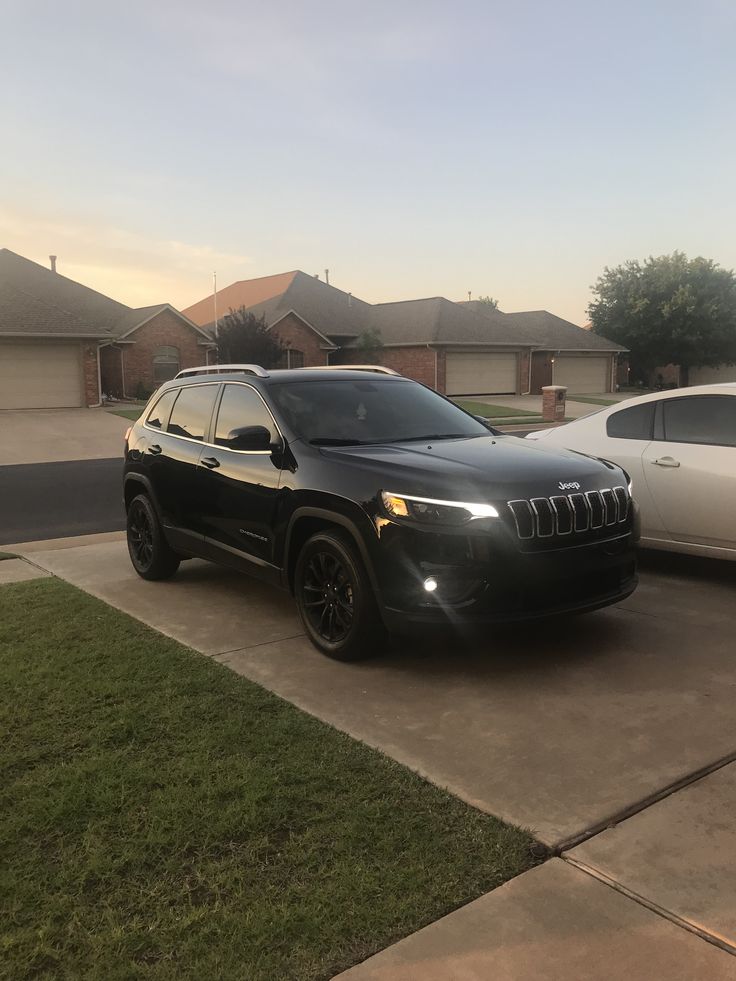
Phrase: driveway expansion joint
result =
(636, 897)
(643, 804)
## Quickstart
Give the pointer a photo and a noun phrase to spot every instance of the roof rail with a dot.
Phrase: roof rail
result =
(379, 368)
(219, 369)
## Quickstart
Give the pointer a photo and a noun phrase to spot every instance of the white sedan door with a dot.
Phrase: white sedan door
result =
(691, 469)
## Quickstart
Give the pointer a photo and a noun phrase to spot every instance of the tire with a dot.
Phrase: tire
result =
(335, 598)
(150, 553)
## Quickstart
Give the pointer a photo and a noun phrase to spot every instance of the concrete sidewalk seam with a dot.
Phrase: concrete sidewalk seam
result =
(252, 647)
(666, 914)
(646, 802)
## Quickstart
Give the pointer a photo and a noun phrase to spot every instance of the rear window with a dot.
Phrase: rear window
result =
(709, 419)
(159, 414)
(192, 411)
(636, 422)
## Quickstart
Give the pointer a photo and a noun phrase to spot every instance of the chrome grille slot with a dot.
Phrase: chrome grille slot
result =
(581, 512)
(595, 503)
(563, 513)
(622, 499)
(523, 518)
(610, 506)
(545, 516)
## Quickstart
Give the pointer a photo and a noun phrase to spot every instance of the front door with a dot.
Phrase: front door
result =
(241, 487)
(691, 469)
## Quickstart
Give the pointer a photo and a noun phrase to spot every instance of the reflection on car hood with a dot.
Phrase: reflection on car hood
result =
(493, 466)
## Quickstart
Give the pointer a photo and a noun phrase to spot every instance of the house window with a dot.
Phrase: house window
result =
(165, 364)
(291, 358)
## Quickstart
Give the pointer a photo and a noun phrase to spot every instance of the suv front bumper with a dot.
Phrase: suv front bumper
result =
(479, 581)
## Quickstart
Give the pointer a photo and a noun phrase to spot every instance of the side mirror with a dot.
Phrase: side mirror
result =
(249, 438)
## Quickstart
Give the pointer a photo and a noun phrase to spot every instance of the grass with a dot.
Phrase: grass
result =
(592, 400)
(132, 414)
(7, 555)
(492, 411)
(163, 818)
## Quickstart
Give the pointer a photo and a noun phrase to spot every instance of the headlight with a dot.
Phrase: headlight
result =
(427, 510)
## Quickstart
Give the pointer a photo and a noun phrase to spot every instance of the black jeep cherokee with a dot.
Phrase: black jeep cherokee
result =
(376, 501)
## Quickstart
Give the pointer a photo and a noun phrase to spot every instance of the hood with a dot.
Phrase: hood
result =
(496, 467)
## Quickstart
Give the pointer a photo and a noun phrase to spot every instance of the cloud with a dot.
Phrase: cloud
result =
(131, 267)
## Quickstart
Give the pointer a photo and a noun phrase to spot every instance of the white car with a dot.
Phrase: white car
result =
(679, 447)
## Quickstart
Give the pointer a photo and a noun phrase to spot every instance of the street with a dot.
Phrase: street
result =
(40, 501)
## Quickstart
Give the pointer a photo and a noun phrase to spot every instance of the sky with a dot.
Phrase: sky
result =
(413, 148)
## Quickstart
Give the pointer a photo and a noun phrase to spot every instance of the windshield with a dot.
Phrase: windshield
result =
(372, 411)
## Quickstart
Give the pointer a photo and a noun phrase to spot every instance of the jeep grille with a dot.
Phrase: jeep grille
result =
(568, 514)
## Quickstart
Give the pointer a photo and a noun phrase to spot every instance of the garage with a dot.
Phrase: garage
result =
(586, 376)
(713, 375)
(40, 376)
(481, 373)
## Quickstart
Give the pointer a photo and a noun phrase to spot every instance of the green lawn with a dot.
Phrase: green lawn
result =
(592, 400)
(492, 411)
(132, 414)
(163, 818)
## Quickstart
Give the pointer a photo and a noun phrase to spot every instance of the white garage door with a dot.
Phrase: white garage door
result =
(586, 376)
(712, 376)
(40, 376)
(481, 374)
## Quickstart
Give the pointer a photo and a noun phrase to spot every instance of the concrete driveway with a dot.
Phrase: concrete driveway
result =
(52, 435)
(622, 719)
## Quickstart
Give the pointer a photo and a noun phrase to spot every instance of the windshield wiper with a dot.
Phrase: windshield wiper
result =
(421, 439)
(331, 441)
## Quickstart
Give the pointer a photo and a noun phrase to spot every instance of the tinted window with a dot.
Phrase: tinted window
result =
(701, 419)
(635, 422)
(241, 406)
(159, 414)
(192, 411)
(370, 411)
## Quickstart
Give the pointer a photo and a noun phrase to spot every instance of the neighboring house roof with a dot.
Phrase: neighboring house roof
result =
(341, 318)
(34, 301)
(326, 309)
(244, 293)
(436, 320)
(555, 334)
(22, 314)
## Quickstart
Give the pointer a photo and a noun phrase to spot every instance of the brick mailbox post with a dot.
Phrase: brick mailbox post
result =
(553, 403)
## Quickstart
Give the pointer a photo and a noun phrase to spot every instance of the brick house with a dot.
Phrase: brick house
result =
(456, 348)
(63, 344)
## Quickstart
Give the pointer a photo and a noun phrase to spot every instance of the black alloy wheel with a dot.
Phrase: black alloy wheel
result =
(150, 553)
(328, 600)
(140, 535)
(335, 598)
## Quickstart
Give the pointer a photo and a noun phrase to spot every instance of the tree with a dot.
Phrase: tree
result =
(369, 345)
(489, 302)
(668, 309)
(244, 338)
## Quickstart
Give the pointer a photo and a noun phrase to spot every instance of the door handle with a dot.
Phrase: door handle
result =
(154, 450)
(210, 462)
(666, 461)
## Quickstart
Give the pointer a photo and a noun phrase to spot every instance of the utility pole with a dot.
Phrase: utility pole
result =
(214, 297)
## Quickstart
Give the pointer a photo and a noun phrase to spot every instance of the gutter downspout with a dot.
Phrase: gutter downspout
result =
(99, 379)
(122, 371)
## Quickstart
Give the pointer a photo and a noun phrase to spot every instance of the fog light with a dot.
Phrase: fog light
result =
(430, 584)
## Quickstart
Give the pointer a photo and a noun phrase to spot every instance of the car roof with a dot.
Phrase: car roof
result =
(719, 388)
